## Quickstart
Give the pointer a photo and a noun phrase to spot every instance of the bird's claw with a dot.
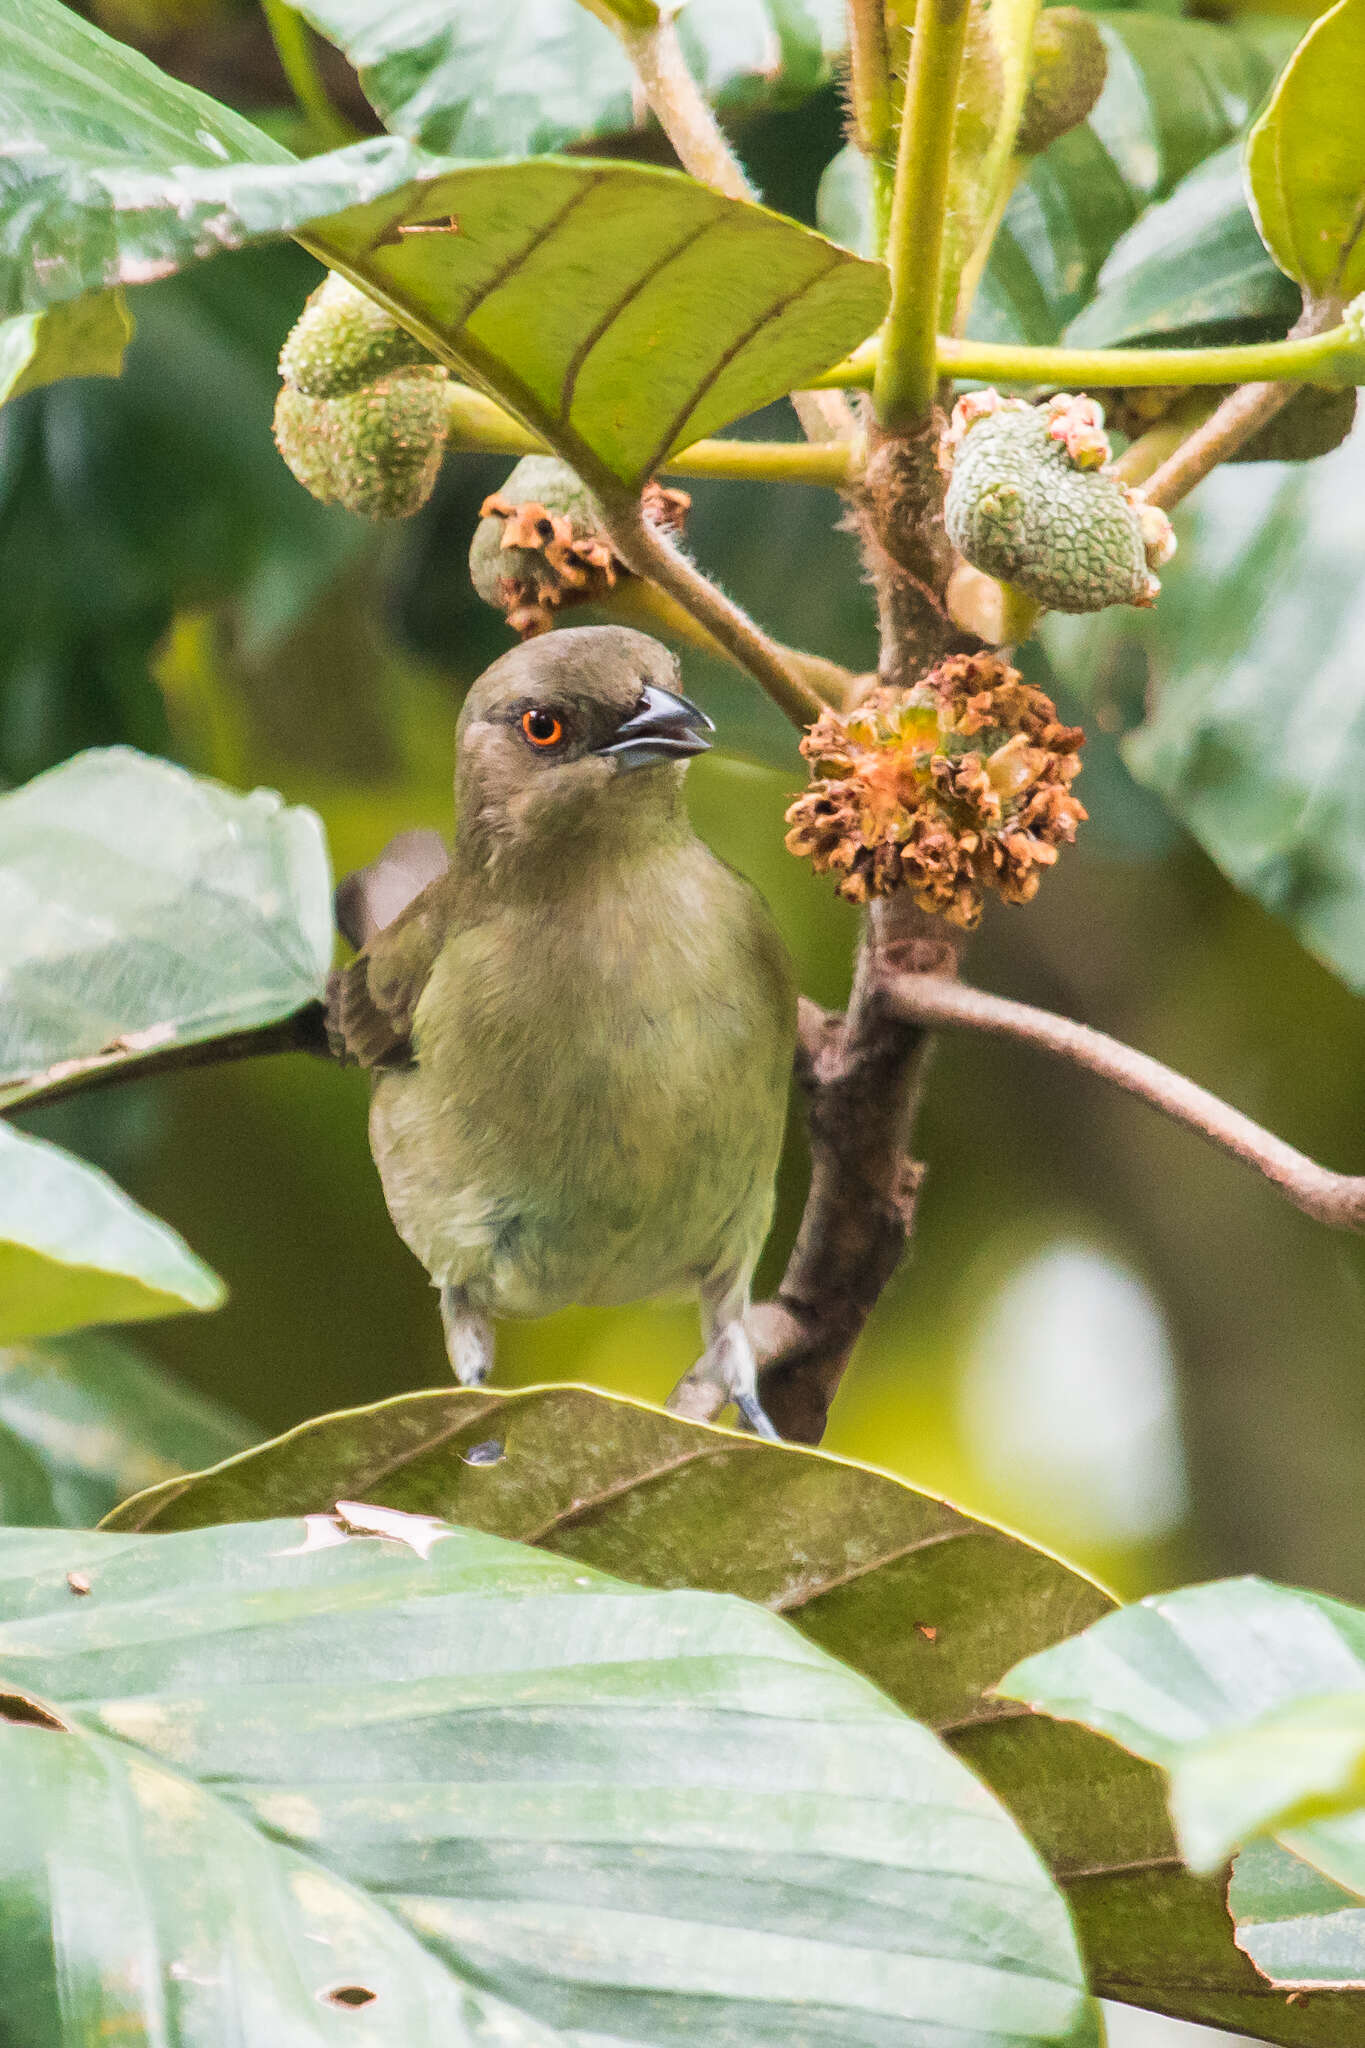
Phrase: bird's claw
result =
(726, 1375)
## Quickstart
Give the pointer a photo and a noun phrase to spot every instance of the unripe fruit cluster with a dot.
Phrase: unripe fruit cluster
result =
(1032, 501)
(364, 410)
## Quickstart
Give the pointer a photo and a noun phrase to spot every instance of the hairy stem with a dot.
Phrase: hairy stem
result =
(1242, 413)
(1322, 357)
(699, 142)
(292, 38)
(1337, 1199)
(869, 71)
(636, 602)
(906, 372)
(650, 553)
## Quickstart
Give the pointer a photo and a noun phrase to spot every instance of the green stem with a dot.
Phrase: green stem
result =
(1331, 358)
(869, 68)
(293, 45)
(906, 368)
(478, 425)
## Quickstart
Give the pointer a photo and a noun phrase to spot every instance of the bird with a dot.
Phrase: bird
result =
(579, 1022)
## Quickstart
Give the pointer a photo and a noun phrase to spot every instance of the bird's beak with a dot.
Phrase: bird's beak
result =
(662, 727)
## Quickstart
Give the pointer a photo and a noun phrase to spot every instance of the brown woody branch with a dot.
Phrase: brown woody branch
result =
(1336, 1199)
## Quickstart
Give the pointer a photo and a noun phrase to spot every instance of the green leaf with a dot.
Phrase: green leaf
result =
(465, 80)
(119, 174)
(83, 338)
(1177, 92)
(1236, 1689)
(86, 1421)
(619, 310)
(621, 1814)
(1192, 273)
(1304, 1761)
(1306, 159)
(75, 1250)
(928, 1603)
(1255, 687)
(142, 907)
(1302, 1931)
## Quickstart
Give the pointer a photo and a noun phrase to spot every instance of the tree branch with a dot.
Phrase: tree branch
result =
(304, 1031)
(862, 1077)
(906, 374)
(1336, 1199)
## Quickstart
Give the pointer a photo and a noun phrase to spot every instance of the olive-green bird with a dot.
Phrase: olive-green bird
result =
(580, 1022)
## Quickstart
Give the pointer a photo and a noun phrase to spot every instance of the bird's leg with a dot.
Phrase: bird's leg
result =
(469, 1338)
(727, 1371)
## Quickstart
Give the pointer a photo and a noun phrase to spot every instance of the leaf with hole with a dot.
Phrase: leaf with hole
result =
(468, 80)
(452, 1789)
(143, 907)
(74, 1249)
(1306, 159)
(84, 1420)
(930, 1604)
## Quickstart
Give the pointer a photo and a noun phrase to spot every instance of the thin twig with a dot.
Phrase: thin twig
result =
(869, 75)
(1336, 1199)
(1242, 413)
(650, 553)
(304, 1031)
(291, 37)
(699, 142)
(907, 360)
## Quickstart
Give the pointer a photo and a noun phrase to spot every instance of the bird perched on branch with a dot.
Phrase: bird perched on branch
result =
(580, 1023)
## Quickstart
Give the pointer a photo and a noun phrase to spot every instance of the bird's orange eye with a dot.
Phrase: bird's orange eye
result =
(542, 728)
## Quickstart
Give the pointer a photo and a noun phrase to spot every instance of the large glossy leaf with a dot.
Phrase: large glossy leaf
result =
(621, 311)
(1192, 272)
(75, 1250)
(84, 1421)
(625, 1815)
(83, 338)
(1246, 1693)
(469, 80)
(1306, 158)
(118, 174)
(141, 907)
(928, 1603)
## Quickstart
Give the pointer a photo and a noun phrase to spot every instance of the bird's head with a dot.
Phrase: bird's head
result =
(574, 740)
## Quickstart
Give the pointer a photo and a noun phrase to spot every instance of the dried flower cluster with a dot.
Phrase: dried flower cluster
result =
(959, 785)
(540, 547)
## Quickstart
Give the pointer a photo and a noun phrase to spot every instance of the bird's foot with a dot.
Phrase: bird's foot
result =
(469, 1338)
(726, 1375)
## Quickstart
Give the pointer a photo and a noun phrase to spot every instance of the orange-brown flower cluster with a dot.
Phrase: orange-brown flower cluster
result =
(959, 785)
(555, 560)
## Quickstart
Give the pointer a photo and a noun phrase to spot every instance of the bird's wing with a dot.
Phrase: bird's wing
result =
(371, 1004)
(370, 899)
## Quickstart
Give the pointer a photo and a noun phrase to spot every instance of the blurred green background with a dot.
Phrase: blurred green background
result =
(1105, 1334)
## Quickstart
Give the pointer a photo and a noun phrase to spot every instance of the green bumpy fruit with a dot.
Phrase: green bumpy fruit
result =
(1067, 68)
(1030, 503)
(364, 410)
(537, 480)
(377, 451)
(342, 340)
